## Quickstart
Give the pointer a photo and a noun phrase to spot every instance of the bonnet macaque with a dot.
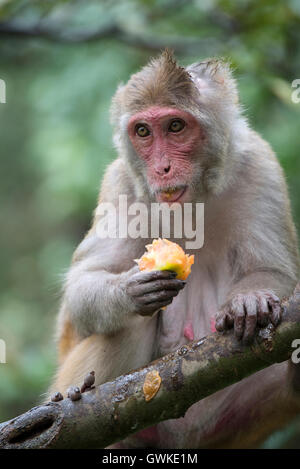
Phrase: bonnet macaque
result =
(182, 138)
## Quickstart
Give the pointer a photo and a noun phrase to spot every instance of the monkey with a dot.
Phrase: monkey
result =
(181, 137)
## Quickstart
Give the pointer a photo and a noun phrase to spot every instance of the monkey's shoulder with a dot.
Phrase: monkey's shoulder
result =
(261, 149)
(260, 165)
(116, 181)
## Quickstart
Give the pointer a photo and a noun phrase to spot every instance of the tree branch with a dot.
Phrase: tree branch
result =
(116, 409)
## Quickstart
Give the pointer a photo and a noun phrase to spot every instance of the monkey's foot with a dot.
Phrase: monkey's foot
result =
(245, 311)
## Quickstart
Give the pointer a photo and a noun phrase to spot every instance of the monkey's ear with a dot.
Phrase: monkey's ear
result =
(214, 74)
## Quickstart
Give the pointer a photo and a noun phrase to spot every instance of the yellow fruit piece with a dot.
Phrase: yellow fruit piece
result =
(151, 385)
(163, 254)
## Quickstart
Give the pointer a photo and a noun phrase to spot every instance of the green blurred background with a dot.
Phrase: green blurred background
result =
(62, 62)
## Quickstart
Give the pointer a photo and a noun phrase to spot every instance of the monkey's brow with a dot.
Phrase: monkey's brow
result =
(158, 113)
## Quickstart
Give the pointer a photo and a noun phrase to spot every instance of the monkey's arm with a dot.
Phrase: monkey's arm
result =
(102, 319)
(100, 298)
(104, 289)
(263, 251)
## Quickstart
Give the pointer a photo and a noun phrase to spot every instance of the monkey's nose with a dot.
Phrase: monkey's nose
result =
(163, 170)
(162, 166)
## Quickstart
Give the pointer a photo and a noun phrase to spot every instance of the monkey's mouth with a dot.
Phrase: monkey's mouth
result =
(171, 195)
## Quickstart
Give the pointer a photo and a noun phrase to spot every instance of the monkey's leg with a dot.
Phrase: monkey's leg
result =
(108, 355)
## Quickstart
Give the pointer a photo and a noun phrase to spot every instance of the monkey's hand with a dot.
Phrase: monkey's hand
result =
(151, 291)
(245, 311)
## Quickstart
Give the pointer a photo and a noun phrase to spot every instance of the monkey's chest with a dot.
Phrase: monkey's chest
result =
(191, 314)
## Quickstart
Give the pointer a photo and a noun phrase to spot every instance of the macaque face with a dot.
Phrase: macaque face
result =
(167, 140)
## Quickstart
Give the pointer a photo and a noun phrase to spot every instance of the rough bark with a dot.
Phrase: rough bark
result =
(116, 409)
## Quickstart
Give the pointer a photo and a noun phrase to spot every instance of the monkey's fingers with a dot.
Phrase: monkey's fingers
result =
(144, 277)
(263, 312)
(276, 309)
(155, 297)
(250, 306)
(148, 310)
(247, 311)
(224, 319)
(139, 289)
(238, 311)
(269, 308)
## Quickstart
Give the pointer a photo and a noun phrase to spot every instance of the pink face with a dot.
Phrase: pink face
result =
(167, 140)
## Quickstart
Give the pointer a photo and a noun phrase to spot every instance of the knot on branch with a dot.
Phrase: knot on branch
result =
(37, 428)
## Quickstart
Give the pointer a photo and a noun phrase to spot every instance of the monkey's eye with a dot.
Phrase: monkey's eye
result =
(176, 125)
(142, 130)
